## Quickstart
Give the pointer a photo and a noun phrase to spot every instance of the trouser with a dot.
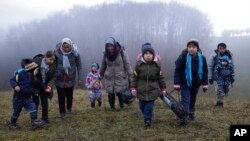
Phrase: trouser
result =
(188, 98)
(93, 96)
(43, 97)
(111, 97)
(147, 108)
(65, 93)
(222, 91)
(18, 104)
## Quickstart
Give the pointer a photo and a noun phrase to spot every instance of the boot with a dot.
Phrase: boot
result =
(219, 104)
(37, 124)
(120, 101)
(112, 101)
(92, 105)
(99, 103)
(184, 121)
(148, 125)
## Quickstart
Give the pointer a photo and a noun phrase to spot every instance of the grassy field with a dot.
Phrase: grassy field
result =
(127, 124)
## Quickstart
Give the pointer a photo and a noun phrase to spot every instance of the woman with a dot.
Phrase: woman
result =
(68, 62)
(116, 71)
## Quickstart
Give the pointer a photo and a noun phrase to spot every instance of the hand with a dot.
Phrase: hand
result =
(211, 81)
(177, 87)
(17, 89)
(48, 89)
(205, 88)
(133, 92)
(163, 91)
(80, 82)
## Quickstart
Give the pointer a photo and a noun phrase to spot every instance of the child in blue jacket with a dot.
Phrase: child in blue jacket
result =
(23, 85)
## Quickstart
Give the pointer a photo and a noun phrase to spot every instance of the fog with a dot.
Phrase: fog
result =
(166, 26)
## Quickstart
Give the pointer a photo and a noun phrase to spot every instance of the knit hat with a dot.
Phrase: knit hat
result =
(225, 58)
(222, 45)
(194, 41)
(28, 64)
(147, 47)
(96, 65)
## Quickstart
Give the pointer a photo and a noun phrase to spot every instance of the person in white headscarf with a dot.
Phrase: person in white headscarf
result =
(68, 64)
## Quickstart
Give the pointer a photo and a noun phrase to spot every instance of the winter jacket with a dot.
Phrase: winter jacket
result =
(180, 76)
(148, 80)
(64, 80)
(26, 83)
(224, 75)
(213, 61)
(116, 73)
(93, 82)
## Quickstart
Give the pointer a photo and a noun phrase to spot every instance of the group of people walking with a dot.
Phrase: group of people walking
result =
(33, 83)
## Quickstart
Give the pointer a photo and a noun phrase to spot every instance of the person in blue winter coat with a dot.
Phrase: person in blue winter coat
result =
(93, 83)
(191, 72)
(224, 76)
(23, 86)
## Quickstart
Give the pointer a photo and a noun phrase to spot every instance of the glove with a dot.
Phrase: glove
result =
(177, 87)
(211, 81)
(232, 81)
(205, 88)
(133, 92)
(48, 89)
(163, 91)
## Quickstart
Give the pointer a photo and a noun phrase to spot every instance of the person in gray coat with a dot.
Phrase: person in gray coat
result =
(68, 63)
(116, 71)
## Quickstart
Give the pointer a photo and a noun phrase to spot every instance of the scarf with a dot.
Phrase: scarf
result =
(188, 71)
(44, 69)
(66, 63)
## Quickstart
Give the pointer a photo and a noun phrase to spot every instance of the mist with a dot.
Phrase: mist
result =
(167, 26)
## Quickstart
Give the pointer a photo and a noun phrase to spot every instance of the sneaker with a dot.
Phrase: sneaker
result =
(148, 125)
(62, 115)
(37, 124)
(14, 126)
(68, 111)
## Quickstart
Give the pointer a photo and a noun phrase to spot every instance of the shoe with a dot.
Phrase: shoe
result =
(99, 103)
(184, 121)
(92, 105)
(37, 124)
(113, 109)
(46, 121)
(219, 104)
(14, 126)
(191, 117)
(68, 111)
(148, 125)
(62, 115)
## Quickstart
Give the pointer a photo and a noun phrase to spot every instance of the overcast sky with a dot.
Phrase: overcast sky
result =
(224, 14)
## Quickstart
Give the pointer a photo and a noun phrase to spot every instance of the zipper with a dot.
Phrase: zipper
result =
(147, 82)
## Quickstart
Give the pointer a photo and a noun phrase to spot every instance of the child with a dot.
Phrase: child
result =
(93, 83)
(224, 75)
(147, 83)
(23, 85)
(190, 73)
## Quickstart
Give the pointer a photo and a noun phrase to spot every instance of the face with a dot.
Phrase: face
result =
(93, 69)
(148, 56)
(221, 50)
(224, 63)
(192, 49)
(66, 47)
(50, 60)
(110, 48)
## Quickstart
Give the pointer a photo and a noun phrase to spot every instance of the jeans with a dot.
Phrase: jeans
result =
(147, 108)
(188, 98)
(18, 104)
